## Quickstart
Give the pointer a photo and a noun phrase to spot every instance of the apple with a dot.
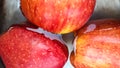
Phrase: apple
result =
(58, 16)
(97, 45)
(22, 46)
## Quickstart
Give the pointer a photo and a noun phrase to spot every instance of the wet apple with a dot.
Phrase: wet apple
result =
(23, 46)
(58, 16)
(97, 45)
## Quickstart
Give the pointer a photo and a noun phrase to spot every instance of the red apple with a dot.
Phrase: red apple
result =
(21, 47)
(58, 16)
(97, 45)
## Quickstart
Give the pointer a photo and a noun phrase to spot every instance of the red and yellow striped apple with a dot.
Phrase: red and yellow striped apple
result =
(58, 16)
(21, 47)
(97, 45)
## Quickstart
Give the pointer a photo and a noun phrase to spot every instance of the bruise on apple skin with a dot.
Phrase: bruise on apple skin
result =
(98, 46)
(21, 48)
(58, 16)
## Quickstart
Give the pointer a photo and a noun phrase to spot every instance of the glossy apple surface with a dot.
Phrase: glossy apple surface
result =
(58, 16)
(23, 47)
(97, 45)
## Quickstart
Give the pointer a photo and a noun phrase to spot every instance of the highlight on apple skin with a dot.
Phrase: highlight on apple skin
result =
(22, 48)
(97, 45)
(58, 16)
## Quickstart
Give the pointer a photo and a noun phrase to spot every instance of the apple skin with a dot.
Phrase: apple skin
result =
(58, 16)
(97, 45)
(23, 48)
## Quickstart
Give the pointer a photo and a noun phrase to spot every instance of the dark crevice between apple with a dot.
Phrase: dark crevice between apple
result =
(2, 64)
(1, 15)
